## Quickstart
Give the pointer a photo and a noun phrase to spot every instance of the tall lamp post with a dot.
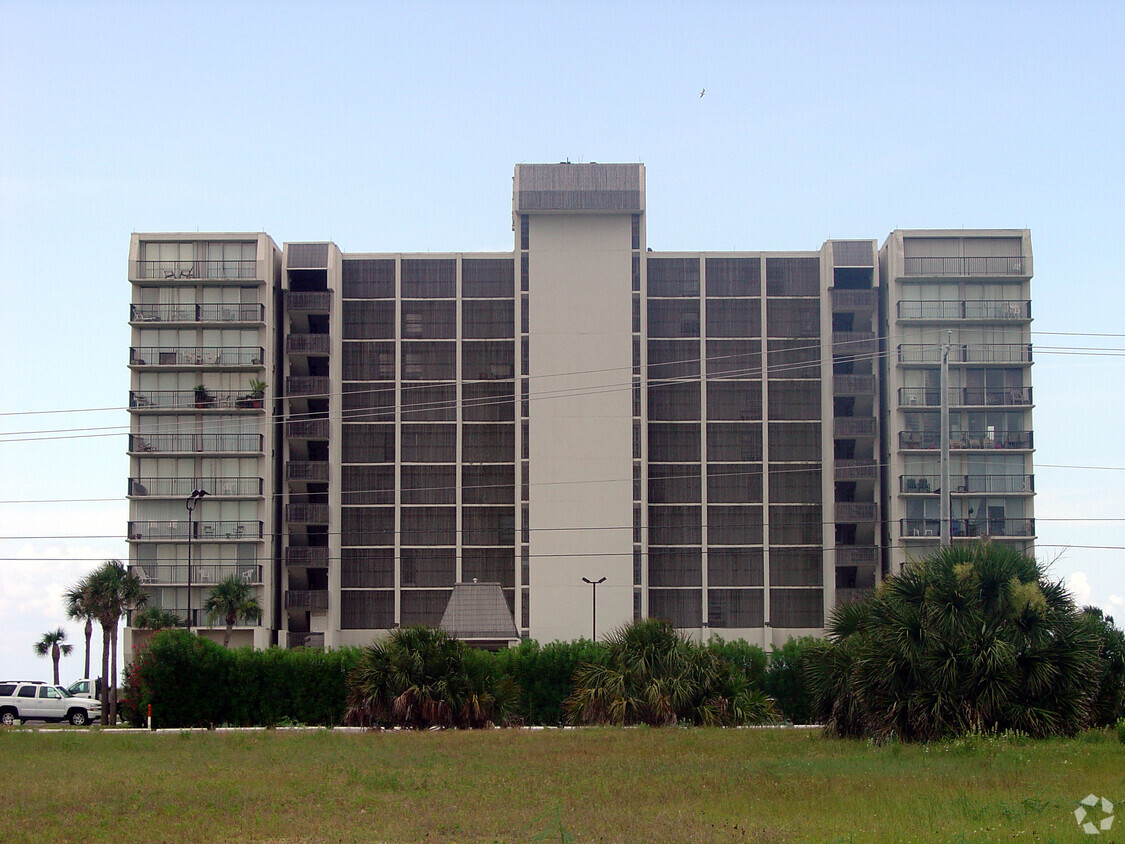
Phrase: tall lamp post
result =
(594, 608)
(193, 499)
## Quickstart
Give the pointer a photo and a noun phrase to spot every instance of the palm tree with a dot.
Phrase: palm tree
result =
(78, 608)
(973, 638)
(156, 618)
(232, 600)
(653, 675)
(112, 591)
(53, 643)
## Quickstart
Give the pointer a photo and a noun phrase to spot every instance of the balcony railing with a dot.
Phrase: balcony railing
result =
(194, 443)
(165, 400)
(991, 265)
(849, 427)
(966, 396)
(307, 386)
(306, 640)
(863, 556)
(967, 440)
(308, 344)
(855, 593)
(183, 487)
(307, 470)
(854, 343)
(315, 600)
(210, 312)
(1002, 310)
(171, 574)
(968, 484)
(214, 270)
(306, 556)
(853, 300)
(961, 528)
(309, 301)
(930, 353)
(848, 512)
(306, 514)
(307, 429)
(197, 356)
(177, 530)
(856, 470)
(847, 385)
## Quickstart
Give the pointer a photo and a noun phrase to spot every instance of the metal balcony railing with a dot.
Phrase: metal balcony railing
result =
(158, 574)
(856, 470)
(306, 556)
(306, 514)
(308, 344)
(315, 600)
(1002, 310)
(213, 270)
(849, 427)
(854, 343)
(194, 443)
(967, 439)
(853, 300)
(183, 487)
(307, 470)
(970, 528)
(314, 301)
(968, 484)
(863, 556)
(846, 385)
(930, 353)
(854, 593)
(966, 396)
(177, 530)
(197, 356)
(166, 400)
(991, 265)
(307, 386)
(848, 512)
(209, 312)
(307, 429)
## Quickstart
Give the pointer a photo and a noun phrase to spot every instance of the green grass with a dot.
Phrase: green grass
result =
(639, 785)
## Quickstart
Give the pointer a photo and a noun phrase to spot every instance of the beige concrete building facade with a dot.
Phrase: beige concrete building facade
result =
(734, 441)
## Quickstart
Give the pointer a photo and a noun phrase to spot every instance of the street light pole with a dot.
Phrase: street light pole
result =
(594, 607)
(193, 499)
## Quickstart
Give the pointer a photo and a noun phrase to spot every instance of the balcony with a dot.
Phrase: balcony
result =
(306, 556)
(988, 266)
(164, 401)
(853, 512)
(856, 470)
(853, 385)
(981, 310)
(850, 427)
(968, 484)
(307, 386)
(307, 429)
(310, 302)
(159, 574)
(306, 514)
(307, 470)
(861, 556)
(930, 353)
(968, 528)
(190, 358)
(1014, 440)
(183, 487)
(855, 593)
(854, 343)
(306, 640)
(314, 600)
(218, 313)
(853, 300)
(966, 397)
(177, 530)
(195, 443)
(308, 344)
(192, 270)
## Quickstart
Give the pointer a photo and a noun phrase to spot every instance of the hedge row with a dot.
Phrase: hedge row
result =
(192, 681)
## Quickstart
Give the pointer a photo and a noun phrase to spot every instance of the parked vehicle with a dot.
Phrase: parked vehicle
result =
(86, 688)
(24, 700)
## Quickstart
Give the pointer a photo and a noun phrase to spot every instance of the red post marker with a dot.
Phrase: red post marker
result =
(150, 716)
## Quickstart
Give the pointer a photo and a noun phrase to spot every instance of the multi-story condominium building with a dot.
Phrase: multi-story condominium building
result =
(735, 441)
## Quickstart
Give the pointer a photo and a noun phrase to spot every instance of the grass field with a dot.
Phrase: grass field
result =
(638, 785)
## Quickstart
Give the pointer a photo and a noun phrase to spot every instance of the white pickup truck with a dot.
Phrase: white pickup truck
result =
(24, 700)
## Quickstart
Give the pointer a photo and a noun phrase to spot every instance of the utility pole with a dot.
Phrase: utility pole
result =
(946, 526)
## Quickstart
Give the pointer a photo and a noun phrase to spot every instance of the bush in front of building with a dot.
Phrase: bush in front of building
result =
(545, 675)
(784, 680)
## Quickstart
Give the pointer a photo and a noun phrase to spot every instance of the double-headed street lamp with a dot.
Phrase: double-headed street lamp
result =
(594, 609)
(193, 499)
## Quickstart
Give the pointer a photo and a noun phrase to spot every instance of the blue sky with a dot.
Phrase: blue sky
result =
(395, 128)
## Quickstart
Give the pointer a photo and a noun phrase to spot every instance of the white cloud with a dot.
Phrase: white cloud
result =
(1079, 587)
(1116, 600)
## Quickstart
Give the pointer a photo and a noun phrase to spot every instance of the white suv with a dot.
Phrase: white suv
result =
(29, 701)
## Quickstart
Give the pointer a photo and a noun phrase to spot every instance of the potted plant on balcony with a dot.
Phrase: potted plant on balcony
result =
(255, 396)
(202, 397)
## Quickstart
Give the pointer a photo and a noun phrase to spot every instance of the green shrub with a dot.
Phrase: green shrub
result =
(784, 680)
(545, 676)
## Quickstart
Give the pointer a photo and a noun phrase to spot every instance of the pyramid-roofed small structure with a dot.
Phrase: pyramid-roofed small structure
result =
(479, 611)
